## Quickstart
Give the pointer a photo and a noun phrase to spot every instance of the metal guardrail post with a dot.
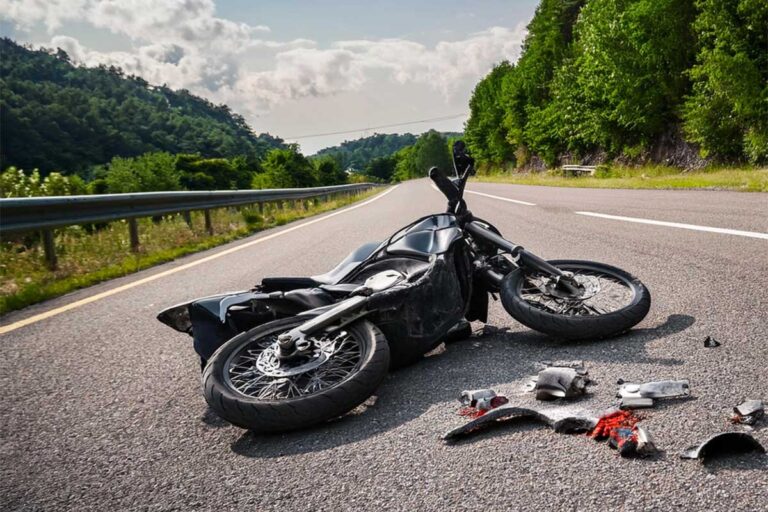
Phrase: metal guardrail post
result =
(208, 222)
(49, 247)
(133, 234)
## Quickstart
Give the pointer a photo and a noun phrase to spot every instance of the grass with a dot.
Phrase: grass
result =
(646, 177)
(87, 255)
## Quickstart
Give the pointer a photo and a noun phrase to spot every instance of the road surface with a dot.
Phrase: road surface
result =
(102, 408)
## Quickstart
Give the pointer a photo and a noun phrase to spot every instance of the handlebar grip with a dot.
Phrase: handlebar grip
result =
(445, 185)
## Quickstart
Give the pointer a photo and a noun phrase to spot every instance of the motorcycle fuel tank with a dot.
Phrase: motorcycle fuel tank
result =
(427, 236)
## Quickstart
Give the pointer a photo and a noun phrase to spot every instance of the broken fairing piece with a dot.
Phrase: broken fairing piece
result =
(478, 398)
(711, 342)
(635, 403)
(564, 419)
(661, 389)
(479, 401)
(748, 412)
(726, 443)
(560, 382)
(645, 445)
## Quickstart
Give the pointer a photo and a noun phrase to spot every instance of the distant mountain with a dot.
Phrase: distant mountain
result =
(58, 116)
(357, 153)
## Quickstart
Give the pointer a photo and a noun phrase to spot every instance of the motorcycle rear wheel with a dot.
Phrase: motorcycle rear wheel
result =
(246, 385)
(613, 301)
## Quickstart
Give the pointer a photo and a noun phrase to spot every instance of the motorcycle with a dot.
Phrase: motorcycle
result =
(297, 351)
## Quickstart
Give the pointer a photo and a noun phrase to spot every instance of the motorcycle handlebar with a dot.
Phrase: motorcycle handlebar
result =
(445, 185)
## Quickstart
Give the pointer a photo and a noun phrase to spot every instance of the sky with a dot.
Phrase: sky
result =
(294, 68)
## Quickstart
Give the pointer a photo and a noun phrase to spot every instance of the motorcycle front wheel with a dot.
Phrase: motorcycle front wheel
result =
(612, 301)
(247, 385)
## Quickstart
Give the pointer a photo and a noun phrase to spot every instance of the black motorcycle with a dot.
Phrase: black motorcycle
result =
(296, 351)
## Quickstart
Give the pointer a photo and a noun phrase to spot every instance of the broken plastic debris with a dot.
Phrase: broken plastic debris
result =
(711, 342)
(748, 412)
(635, 403)
(660, 389)
(645, 444)
(725, 443)
(611, 420)
(623, 433)
(478, 401)
(564, 380)
(565, 419)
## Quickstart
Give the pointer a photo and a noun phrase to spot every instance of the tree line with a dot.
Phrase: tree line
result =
(280, 168)
(639, 80)
(160, 171)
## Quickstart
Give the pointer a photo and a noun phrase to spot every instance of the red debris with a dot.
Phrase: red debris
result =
(474, 412)
(611, 421)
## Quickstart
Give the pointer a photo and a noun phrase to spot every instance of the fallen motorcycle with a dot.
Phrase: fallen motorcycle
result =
(297, 351)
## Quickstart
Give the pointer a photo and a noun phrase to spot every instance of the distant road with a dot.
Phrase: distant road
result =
(102, 408)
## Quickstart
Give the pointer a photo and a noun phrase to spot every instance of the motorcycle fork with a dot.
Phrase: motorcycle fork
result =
(523, 259)
(294, 342)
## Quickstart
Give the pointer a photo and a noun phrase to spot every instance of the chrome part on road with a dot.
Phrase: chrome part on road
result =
(258, 372)
(600, 294)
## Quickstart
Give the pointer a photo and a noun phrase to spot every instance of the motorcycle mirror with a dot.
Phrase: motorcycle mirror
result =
(459, 148)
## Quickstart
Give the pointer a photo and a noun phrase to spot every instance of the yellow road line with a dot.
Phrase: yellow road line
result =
(93, 298)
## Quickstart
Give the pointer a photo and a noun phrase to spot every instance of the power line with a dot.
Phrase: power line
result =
(368, 128)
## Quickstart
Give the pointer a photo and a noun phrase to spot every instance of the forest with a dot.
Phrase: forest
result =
(68, 118)
(677, 82)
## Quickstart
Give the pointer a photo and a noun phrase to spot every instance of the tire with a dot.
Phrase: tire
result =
(285, 414)
(574, 327)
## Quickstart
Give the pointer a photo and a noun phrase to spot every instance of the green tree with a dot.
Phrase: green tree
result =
(382, 167)
(146, 173)
(430, 150)
(727, 111)
(328, 171)
(286, 168)
(485, 133)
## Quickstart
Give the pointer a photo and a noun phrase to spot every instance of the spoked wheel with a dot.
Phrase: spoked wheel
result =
(248, 385)
(610, 302)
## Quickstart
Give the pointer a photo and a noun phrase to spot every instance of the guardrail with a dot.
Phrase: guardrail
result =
(580, 169)
(47, 213)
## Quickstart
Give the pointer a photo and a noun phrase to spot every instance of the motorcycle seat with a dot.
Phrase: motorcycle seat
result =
(332, 277)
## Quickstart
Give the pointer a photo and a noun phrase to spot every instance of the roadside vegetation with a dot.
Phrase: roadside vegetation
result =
(745, 179)
(95, 253)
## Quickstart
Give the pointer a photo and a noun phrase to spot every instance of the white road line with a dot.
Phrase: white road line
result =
(694, 227)
(516, 201)
(93, 298)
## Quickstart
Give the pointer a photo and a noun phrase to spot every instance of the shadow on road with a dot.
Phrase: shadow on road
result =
(495, 356)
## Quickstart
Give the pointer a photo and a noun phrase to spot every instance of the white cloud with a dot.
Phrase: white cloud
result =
(183, 43)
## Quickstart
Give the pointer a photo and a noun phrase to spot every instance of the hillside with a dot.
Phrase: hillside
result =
(680, 82)
(58, 116)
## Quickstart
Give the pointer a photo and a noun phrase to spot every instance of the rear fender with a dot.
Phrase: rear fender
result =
(177, 316)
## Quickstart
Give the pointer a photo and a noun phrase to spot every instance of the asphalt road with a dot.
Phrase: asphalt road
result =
(102, 409)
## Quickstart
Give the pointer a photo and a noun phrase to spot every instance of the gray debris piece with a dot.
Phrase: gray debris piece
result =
(660, 389)
(748, 412)
(645, 445)
(566, 419)
(560, 382)
(725, 443)
(478, 398)
(635, 403)
(711, 342)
